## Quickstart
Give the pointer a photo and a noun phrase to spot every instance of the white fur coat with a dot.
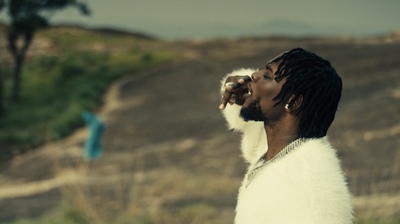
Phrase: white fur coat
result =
(306, 186)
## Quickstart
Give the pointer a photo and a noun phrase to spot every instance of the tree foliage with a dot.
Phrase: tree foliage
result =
(27, 17)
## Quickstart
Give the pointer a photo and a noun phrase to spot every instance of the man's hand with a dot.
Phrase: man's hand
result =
(235, 88)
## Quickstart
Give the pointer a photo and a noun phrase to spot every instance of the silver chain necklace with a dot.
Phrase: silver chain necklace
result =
(264, 162)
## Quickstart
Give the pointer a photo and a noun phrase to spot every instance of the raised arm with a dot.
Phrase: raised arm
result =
(254, 141)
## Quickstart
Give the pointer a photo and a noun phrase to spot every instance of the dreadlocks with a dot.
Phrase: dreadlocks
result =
(314, 80)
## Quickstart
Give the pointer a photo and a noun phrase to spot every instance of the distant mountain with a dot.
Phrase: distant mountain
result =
(287, 27)
(277, 27)
(284, 27)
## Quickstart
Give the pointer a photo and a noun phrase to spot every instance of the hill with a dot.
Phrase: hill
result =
(168, 157)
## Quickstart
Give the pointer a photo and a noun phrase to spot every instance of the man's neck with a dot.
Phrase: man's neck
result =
(279, 136)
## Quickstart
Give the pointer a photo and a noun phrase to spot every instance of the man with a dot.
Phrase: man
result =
(283, 112)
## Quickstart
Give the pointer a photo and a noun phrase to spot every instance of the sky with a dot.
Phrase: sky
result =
(183, 19)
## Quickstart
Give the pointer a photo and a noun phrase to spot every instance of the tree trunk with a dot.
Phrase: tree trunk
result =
(19, 57)
(16, 85)
(1, 92)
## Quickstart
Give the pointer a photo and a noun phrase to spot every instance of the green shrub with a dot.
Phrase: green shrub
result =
(55, 92)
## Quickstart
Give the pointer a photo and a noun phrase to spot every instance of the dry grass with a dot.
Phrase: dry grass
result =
(106, 195)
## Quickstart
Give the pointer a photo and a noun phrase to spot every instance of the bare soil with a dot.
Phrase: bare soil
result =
(166, 146)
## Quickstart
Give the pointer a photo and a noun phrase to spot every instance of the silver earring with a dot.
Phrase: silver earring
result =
(287, 106)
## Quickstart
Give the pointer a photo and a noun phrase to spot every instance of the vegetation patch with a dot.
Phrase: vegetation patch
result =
(58, 87)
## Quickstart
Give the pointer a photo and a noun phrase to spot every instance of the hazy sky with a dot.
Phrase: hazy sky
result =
(175, 19)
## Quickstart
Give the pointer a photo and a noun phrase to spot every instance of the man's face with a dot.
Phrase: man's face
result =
(259, 105)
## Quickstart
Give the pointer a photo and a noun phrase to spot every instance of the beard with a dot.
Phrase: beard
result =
(252, 112)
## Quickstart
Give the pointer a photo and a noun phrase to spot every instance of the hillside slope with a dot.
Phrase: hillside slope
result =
(168, 155)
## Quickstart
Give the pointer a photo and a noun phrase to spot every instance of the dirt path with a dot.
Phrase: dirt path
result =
(166, 144)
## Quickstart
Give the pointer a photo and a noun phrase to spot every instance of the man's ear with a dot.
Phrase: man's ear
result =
(295, 102)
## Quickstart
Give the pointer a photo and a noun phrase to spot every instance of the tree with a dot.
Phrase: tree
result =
(26, 18)
(1, 91)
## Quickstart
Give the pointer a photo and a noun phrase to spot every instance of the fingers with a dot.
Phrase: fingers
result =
(245, 79)
(231, 86)
(235, 85)
(230, 89)
(227, 96)
(225, 99)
